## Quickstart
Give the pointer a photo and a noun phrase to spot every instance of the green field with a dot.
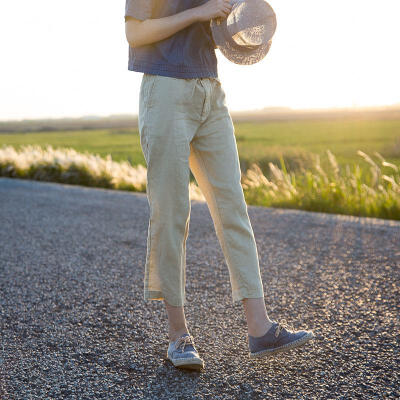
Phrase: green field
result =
(259, 142)
(357, 173)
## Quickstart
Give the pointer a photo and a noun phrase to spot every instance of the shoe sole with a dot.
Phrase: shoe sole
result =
(297, 343)
(188, 363)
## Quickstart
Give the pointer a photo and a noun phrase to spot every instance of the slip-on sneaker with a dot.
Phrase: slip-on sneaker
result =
(183, 354)
(277, 339)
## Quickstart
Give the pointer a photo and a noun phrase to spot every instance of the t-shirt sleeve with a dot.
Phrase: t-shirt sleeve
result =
(139, 9)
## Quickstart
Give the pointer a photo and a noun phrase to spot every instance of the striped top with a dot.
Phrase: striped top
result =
(189, 53)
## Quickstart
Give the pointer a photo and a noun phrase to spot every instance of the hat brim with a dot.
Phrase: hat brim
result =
(239, 54)
(252, 57)
(244, 56)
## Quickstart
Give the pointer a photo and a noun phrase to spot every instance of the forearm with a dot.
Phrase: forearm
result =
(153, 30)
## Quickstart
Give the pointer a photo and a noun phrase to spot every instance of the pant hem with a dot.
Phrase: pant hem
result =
(251, 294)
(158, 295)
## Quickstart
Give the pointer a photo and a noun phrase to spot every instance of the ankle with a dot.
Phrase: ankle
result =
(260, 328)
(175, 334)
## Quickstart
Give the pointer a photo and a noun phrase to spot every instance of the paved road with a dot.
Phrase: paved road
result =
(74, 325)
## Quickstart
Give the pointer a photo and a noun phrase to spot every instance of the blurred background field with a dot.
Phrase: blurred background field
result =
(261, 137)
(317, 122)
(346, 165)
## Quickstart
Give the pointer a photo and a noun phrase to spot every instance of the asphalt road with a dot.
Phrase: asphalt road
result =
(74, 325)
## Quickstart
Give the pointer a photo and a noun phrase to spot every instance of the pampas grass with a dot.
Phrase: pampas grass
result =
(374, 192)
(371, 192)
(66, 165)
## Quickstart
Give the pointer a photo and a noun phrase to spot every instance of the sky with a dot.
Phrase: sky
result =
(70, 59)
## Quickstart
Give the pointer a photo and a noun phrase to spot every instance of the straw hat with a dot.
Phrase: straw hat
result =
(244, 37)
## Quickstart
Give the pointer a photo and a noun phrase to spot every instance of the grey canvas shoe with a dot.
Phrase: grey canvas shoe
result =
(277, 339)
(183, 354)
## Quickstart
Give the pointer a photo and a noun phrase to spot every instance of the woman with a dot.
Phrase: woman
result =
(184, 125)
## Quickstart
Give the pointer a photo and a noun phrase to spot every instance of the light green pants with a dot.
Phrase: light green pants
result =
(184, 125)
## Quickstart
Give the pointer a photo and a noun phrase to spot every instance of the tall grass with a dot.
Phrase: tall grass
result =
(374, 192)
(66, 165)
(355, 190)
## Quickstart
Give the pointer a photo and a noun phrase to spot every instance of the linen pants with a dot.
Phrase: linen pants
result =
(184, 124)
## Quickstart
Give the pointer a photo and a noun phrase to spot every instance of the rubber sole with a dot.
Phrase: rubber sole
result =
(188, 363)
(297, 343)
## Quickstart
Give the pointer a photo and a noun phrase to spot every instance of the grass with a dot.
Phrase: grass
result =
(258, 142)
(120, 144)
(262, 143)
(371, 190)
(65, 165)
(284, 164)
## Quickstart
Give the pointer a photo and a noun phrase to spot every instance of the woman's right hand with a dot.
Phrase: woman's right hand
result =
(214, 9)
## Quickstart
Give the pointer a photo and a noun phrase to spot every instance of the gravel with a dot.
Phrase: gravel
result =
(74, 324)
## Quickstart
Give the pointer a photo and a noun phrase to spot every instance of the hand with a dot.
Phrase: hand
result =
(214, 9)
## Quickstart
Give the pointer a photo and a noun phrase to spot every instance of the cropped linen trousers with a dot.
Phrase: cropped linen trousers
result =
(184, 124)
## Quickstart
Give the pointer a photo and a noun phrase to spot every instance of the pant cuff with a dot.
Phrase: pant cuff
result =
(238, 296)
(158, 295)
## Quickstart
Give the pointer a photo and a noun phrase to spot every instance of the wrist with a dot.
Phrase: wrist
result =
(194, 14)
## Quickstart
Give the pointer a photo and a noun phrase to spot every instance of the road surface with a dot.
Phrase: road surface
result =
(74, 324)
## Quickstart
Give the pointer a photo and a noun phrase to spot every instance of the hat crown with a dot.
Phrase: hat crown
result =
(247, 25)
(245, 36)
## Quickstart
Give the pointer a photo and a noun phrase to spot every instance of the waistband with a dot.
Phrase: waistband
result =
(184, 78)
(205, 78)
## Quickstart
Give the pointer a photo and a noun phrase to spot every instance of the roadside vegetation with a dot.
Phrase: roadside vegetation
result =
(369, 188)
(351, 190)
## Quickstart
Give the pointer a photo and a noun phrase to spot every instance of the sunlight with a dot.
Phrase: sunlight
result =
(59, 62)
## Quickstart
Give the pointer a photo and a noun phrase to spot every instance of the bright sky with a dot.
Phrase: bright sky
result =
(67, 59)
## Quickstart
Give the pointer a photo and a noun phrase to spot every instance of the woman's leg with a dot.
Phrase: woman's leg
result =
(256, 315)
(215, 164)
(258, 322)
(176, 321)
(163, 133)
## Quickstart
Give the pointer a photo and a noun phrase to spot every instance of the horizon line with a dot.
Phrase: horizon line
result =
(271, 109)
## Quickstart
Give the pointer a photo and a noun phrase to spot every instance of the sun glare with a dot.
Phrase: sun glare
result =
(59, 62)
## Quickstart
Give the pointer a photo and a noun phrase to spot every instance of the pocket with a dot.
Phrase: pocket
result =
(145, 149)
(146, 89)
(218, 81)
(146, 100)
(169, 92)
(143, 140)
(192, 88)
